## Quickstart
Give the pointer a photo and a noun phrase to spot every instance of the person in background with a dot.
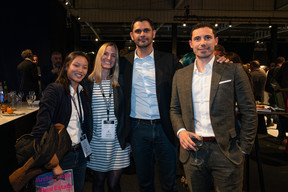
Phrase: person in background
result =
(66, 102)
(28, 74)
(219, 50)
(51, 72)
(36, 61)
(110, 150)
(258, 78)
(188, 58)
(272, 87)
(282, 79)
(204, 97)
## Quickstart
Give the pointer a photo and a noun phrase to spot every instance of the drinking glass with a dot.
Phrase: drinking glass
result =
(12, 98)
(20, 96)
(198, 144)
(30, 100)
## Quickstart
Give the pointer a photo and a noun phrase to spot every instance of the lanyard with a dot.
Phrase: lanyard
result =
(79, 112)
(109, 101)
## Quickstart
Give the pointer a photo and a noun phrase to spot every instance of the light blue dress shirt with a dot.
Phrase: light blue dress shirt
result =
(144, 104)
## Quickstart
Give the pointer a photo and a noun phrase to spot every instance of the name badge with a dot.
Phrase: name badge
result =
(108, 130)
(85, 145)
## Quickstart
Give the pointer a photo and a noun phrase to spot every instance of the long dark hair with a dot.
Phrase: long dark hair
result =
(62, 79)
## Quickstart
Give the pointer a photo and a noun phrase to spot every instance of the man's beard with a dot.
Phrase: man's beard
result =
(143, 45)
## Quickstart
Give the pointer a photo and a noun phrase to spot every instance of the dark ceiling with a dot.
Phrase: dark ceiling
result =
(245, 21)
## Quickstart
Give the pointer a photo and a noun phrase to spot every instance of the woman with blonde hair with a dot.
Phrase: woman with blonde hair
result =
(110, 151)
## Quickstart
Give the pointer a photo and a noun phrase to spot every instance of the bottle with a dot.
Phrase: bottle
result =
(1, 93)
(5, 92)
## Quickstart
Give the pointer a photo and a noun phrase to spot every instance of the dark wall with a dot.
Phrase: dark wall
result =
(36, 25)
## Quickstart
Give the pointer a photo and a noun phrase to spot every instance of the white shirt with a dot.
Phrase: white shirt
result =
(74, 126)
(201, 86)
(144, 104)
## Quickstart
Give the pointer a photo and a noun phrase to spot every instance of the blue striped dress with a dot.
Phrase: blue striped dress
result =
(106, 155)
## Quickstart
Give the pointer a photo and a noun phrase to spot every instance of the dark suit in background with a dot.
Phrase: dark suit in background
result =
(28, 76)
(165, 66)
(229, 84)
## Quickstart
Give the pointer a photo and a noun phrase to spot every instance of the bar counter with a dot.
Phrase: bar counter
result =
(12, 127)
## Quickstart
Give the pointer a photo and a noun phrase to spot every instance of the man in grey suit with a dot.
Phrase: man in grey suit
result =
(204, 97)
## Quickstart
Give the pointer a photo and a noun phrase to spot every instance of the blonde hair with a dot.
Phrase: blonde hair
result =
(96, 75)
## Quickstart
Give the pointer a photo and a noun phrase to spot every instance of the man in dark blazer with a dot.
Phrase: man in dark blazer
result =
(148, 81)
(28, 74)
(204, 97)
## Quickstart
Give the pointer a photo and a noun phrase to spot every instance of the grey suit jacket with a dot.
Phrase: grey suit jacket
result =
(229, 84)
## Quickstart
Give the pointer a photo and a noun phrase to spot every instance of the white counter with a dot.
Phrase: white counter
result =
(24, 110)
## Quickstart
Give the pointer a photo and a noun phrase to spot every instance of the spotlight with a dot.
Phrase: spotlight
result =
(230, 25)
(184, 24)
(96, 39)
(78, 18)
(270, 26)
(216, 24)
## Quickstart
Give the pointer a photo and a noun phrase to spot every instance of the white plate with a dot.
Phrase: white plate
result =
(13, 114)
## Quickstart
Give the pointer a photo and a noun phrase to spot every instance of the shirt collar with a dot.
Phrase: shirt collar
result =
(209, 65)
(80, 88)
(150, 55)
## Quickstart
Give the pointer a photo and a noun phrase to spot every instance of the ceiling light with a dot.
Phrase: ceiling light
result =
(96, 39)
(184, 24)
(270, 26)
(216, 24)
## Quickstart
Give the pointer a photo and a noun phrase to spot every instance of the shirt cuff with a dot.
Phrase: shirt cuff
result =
(181, 129)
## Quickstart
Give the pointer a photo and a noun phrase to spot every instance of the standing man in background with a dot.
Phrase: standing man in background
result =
(203, 102)
(49, 73)
(28, 74)
(148, 77)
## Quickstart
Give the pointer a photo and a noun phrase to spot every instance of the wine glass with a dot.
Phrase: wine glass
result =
(30, 100)
(20, 96)
(198, 144)
(12, 98)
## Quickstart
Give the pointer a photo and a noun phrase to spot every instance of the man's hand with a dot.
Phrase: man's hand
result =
(186, 141)
(55, 70)
(57, 172)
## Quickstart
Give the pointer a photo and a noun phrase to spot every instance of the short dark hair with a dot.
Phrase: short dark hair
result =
(255, 64)
(280, 60)
(27, 53)
(141, 19)
(202, 25)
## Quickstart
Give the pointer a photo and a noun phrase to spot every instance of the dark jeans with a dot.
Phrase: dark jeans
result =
(217, 168)
(150, 143)
(77, 162)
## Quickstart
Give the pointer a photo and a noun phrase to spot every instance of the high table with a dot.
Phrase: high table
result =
(12, 127)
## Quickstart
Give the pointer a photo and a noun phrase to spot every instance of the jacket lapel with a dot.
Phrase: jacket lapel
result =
(188, 91)
(217, 71)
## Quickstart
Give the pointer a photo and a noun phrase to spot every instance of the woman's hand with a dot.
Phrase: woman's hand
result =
(223, 59)
(57, 172)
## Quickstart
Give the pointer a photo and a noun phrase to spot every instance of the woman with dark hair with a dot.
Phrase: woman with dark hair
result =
(110, 150)
(65, 102)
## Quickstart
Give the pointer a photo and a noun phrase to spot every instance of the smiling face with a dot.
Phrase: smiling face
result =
(77, 70)
(108, 59)
(142, 34)
(203, 42)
